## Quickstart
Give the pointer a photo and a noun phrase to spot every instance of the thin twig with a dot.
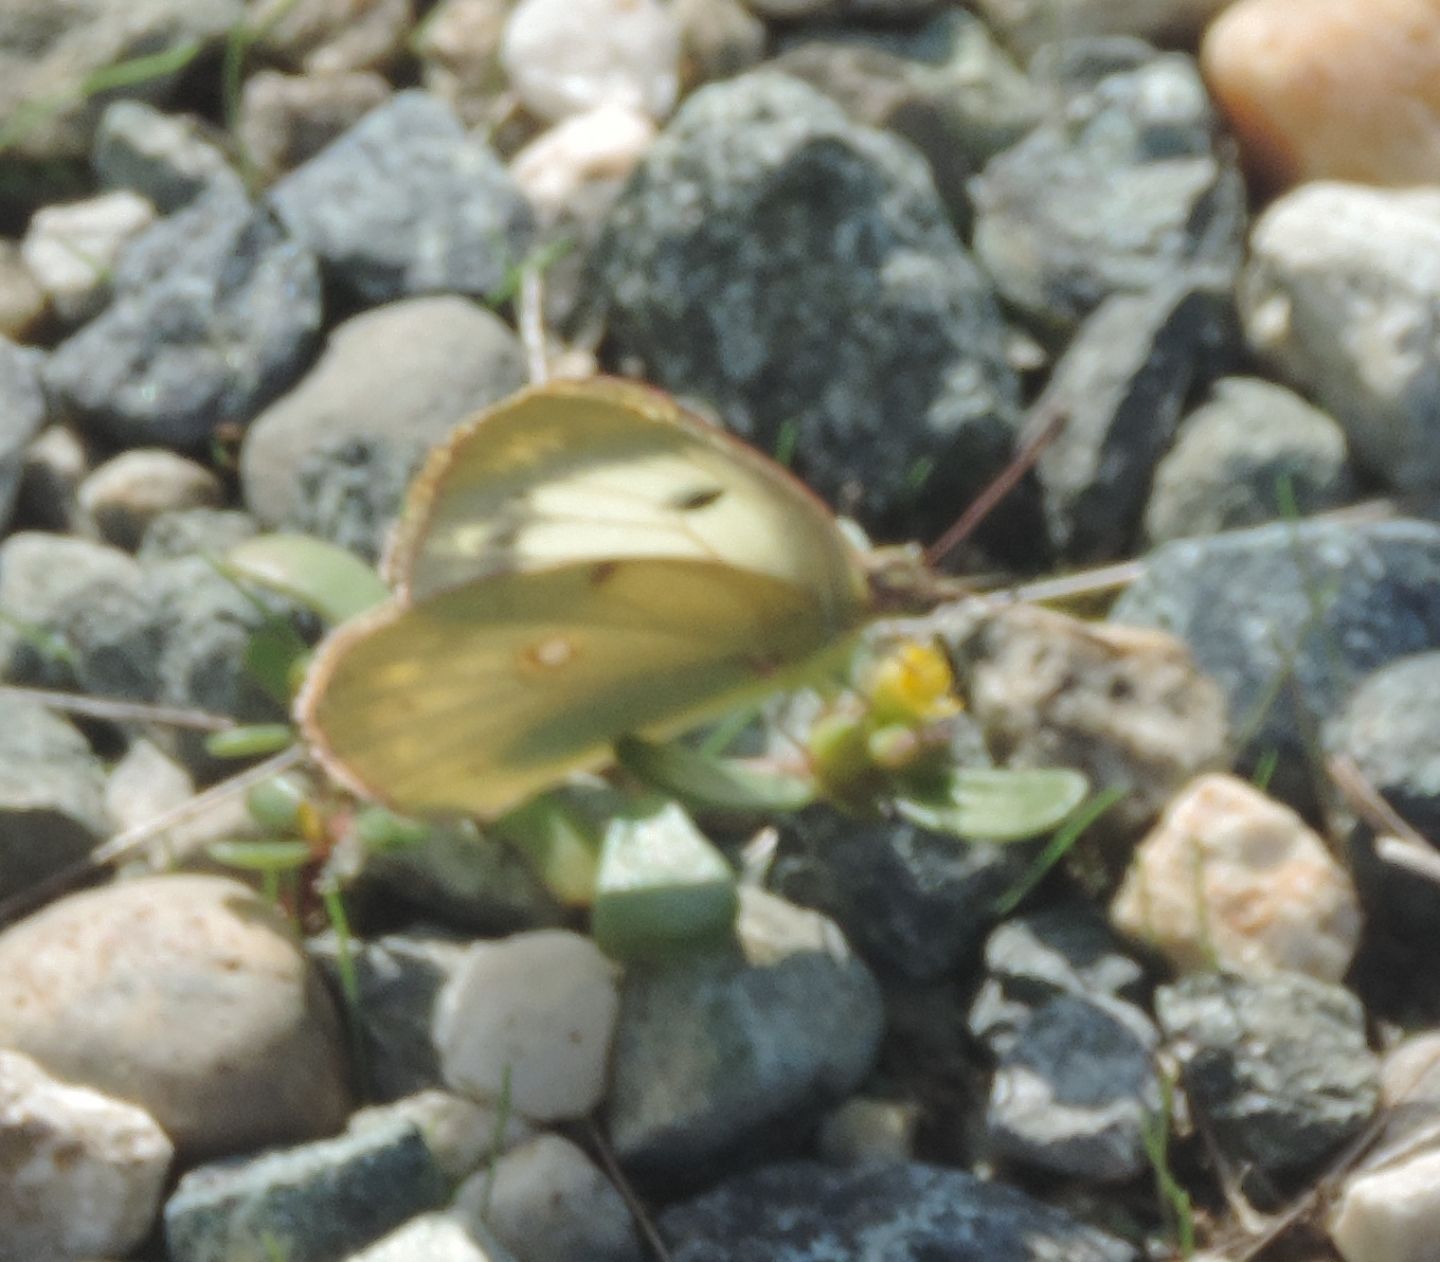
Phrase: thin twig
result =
(531, 321)
(627, 1193)
(120, 711)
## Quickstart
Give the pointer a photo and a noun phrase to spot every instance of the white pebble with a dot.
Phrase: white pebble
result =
(1390, 1215)
(83, 1172)
(546, 1202)
(71, 249)
(603, 144)
(529, 1020)
(1233, 879)
(568, 56)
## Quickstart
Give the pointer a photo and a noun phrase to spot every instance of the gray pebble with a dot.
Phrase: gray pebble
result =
(23, 412)
(215, 313)
(406, 203)
(166, 158)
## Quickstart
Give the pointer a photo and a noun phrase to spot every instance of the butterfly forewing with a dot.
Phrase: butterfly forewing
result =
(473, 699)
(605, 470)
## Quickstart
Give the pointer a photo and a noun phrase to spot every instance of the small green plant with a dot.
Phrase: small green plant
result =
(1174, 1201)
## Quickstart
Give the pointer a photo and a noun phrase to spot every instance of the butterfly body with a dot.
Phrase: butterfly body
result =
(583, 561)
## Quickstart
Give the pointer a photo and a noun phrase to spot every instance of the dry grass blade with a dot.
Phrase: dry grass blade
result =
(116, 710)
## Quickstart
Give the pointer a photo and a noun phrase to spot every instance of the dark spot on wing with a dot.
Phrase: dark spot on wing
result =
(691, 501)
(603, 572)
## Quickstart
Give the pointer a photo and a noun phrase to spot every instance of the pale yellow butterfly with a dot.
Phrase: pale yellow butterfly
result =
(583, 561)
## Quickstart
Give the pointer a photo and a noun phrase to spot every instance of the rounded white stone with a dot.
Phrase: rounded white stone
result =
(529, 1019)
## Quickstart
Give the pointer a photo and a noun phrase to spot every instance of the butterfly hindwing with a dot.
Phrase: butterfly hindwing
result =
(473, 699)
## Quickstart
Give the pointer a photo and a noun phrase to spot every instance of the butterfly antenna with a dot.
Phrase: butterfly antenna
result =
(1044, 429)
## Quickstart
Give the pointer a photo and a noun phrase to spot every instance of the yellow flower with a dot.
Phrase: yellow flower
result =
(909, 685)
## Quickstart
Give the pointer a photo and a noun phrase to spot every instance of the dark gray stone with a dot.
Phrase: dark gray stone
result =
(911, 902)
(315, 1203)
(407, 203)
(1278, 1066)
(1031, 959)
(163, 157)
(350, 489)
(1076, 1090)
(805, 1212)
(398, 977)
(1121, 386)
(23, 413)
(1389, 727)
(52, 795)
(738, 1048)
(1118, 189)
(800, 274)
(948, 88)
(215, 312)
(1288, 618)
(1234, 453)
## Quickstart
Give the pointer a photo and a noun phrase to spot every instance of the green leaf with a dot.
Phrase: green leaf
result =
(277, 803)
(661, 886)
(379, 830)
(271, 655)
(709, 782)
(251, 741)
(336, 584)
(559, 840)
(261, 856)
(999, 805)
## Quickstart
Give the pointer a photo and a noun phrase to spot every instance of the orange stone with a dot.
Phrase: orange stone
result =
(1330, 89)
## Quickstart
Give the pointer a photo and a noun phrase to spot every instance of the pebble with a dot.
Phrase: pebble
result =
(186, 531)
(24, 410)
(1028, 25)
(530, 1019)
(911, 902)
(440, 213)
(1390, 1215)
(395, 380)
(1339, 298)
(1033, 958)
(719, 39)
(1327, 90)
(458, 46)
(1231, 879)
(1287, 618)
(1385, 728)
(861, 1131)
(603, 144)
(461, 878)
(948, 88)
(463, 1135)
(72, 250)
(1076, 1090)
(1129, 708)
(921, 1213)
(54, 464)
(313, 1203)
(1242, 458)
(546, 1201)
(1121, 385)
(23, 303)
(1123, 189)
(433, 1238)
(52, 795)
(126, 493)
(143, 785)
(888, 352)
(168, 159)
(713, 1051)
(84, 1173)
(45, 52)
(397, 979)
(334, 36)
(82, 599)
(86, 983)
(567, 57)
(287, 119)
(1277, 1066)
(215, 312)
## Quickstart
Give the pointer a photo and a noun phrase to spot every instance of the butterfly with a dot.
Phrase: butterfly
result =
(583, 561)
